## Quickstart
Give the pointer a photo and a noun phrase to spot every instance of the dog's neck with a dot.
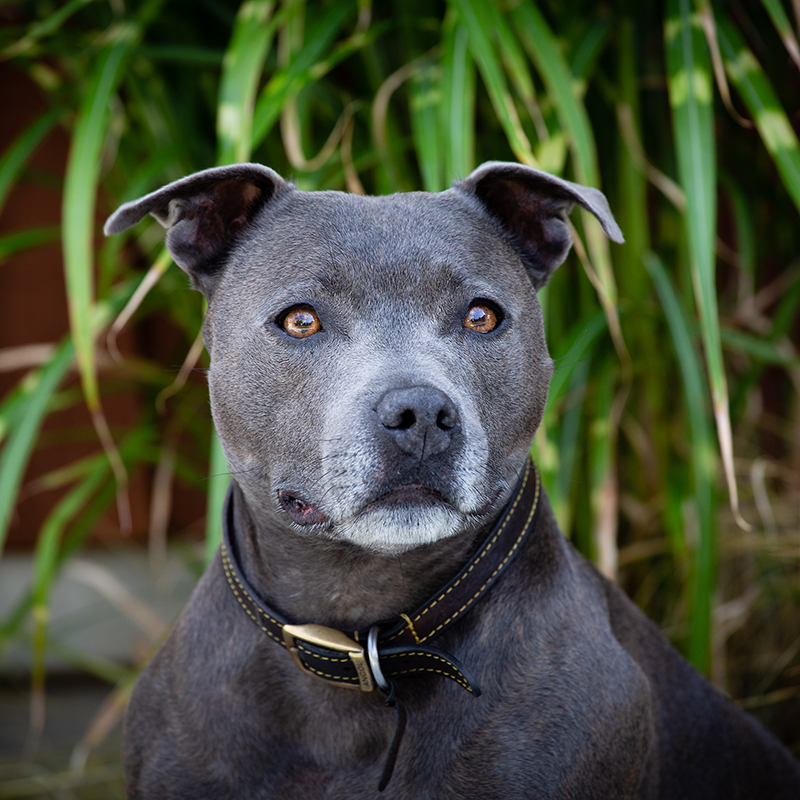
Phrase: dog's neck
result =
(313, 579)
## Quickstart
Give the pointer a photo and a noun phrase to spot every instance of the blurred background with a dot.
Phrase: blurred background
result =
(671, 443)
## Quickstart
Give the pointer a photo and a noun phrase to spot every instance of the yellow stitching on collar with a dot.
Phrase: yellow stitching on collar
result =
(336, 659)
(226, 558)
(500, 566)
(438, 672)
(331, 677)
(490, 545)
(411, 628)
(242, 604)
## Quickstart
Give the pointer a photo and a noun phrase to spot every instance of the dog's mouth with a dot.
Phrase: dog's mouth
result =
(299, 510)
(408, 494)
(304, 513)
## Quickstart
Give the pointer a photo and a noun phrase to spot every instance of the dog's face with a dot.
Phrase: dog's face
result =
(378, 365)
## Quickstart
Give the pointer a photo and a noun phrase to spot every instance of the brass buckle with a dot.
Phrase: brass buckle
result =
(333, 640)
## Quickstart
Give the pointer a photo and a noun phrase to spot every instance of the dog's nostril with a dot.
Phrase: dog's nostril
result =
(446, 419)
(407, 420)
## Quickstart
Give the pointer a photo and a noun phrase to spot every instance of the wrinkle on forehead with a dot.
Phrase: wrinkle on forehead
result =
(330, 235)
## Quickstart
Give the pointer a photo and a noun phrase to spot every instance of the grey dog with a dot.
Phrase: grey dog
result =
(378, 372)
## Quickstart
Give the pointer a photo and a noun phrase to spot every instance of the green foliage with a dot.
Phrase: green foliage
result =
(344, 94)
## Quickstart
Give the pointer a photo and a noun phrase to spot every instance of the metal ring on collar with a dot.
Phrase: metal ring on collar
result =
(372, 656)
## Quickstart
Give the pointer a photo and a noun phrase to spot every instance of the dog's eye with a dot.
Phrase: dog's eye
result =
(482, 317)
(300, 322)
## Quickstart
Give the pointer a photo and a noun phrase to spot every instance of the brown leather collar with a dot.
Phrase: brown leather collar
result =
(356, 659)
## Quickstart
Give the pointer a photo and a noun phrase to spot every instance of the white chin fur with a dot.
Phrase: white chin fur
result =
(397, 529)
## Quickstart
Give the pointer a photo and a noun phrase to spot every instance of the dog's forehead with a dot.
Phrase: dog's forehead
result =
(374, 242)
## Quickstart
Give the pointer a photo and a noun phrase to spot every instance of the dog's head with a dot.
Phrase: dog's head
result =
(378, 364)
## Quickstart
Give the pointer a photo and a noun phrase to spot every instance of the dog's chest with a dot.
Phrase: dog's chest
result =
(511, 750)
(560, 708)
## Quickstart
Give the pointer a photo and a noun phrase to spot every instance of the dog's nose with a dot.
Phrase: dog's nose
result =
(421, 419)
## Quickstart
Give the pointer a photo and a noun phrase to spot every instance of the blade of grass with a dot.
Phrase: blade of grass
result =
(46, 27)
(80, 193)
(218, 486)
(570, 445)
(78, 225)
(288, 82)
(513, 58)
(14, 243)
(458, 101)
(771, 120)
(241, 71)
(424, 106)
(21, 439)
(577, 347)
(542, 47)
(761, 349)
(22, 415)
(745, 233)
(781, 22)
(691, 98)
(603, 475)
(583, 57)
(703, 467)
(709, 25)
(16, 156)
(151, 278)
(45, 560)
(477, 20)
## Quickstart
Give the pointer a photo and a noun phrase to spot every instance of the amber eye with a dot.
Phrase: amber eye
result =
(300, 322)
(481, 317)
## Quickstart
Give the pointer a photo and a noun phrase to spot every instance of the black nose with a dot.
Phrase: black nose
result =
(422, 420)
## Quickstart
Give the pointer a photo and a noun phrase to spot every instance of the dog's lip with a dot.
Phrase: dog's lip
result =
(408, 494)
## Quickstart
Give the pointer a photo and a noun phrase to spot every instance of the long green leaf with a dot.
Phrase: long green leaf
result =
(570, 446)
(576, 346)
(760, 349)
(285, 84)
(15, 158)
(22, 413)
(458, 101)
(781, 22)
(80, 192)
(241, 71)
(603, 475)
(215, 497)
(424, 104)
(476, 16)
(691, 97)
(771, 120)
(14, 243)
(17, 450)
(703, 467)
(542, 47)
(46, 27)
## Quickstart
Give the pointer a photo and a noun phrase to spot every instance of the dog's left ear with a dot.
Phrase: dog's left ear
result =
(531, 208)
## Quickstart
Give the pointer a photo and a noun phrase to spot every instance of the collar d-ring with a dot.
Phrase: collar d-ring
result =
(374, 661)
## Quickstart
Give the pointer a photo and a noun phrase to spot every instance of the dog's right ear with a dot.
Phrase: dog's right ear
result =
(204, 214)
